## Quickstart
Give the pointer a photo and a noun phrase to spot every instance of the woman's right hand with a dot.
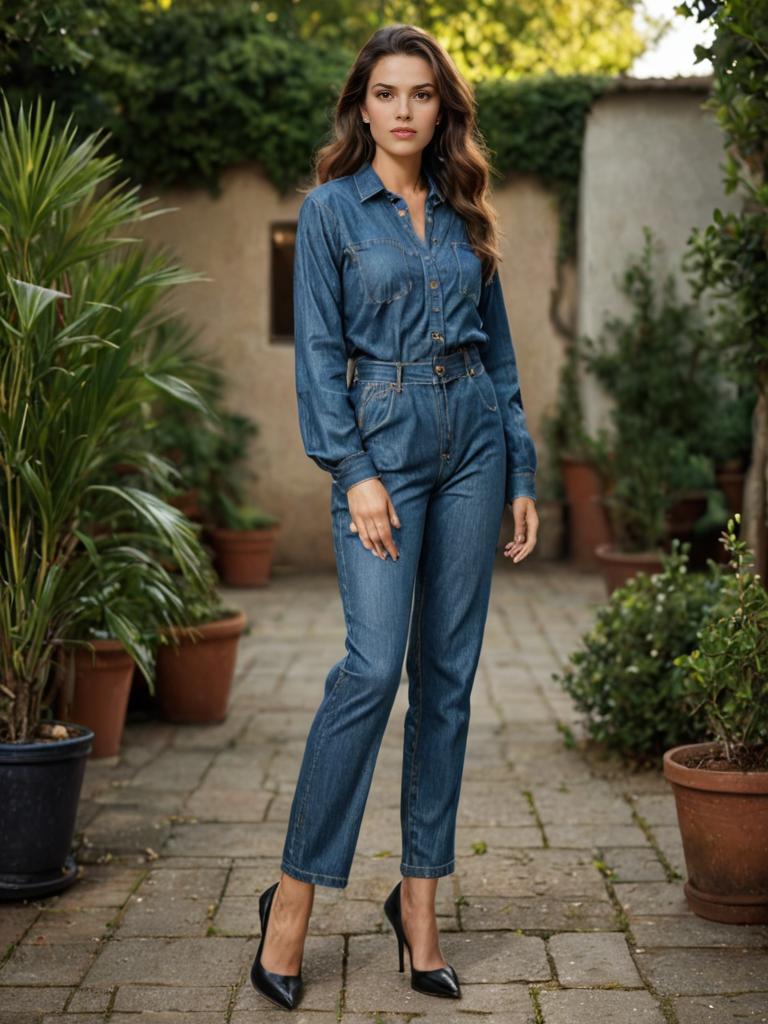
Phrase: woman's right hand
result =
(373, 514)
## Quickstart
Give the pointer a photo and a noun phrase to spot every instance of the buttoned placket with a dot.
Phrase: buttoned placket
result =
(436, 325)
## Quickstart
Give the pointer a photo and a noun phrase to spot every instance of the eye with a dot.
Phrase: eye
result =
(386, 92)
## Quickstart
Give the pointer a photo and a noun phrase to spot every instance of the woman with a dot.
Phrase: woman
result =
(396, 268)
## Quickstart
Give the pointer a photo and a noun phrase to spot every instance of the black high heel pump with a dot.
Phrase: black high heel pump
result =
(441, 981)
(283, 990)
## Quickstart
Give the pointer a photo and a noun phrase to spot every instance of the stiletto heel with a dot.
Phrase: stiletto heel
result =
(284, 990)
(441, 981)
(400, 952)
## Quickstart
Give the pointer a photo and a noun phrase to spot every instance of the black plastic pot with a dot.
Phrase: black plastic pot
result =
(40, 785)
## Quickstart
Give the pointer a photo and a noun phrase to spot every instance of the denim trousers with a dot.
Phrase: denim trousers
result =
(436, 437)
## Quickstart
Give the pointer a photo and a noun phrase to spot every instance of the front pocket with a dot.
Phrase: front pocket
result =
(470, 270)
(485, 389)
(374, 406)
(382, 269)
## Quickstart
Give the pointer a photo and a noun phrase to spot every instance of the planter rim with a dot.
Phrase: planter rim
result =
(576, 460)
(230, 625)
(707, 778)
(49, 750)
(228, 534)
(107, 646)
(607, 550)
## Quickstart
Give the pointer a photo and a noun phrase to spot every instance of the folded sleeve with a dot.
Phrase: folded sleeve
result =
(501, 365)
(326, 414)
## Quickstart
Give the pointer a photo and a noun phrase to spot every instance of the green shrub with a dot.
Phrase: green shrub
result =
(624, 678)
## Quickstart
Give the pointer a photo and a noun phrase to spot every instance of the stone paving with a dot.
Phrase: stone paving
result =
(566, 906)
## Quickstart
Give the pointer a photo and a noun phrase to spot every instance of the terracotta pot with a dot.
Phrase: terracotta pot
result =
(618, 566)
(588, 524)
(244, 557)
(100, 694)
(682, 515)
(194, 679)
(723, 819)
(731, 483)
(188, 502)
(126, 468)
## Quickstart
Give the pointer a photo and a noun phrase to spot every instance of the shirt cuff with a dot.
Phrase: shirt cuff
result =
(521, 485)
(354, 469)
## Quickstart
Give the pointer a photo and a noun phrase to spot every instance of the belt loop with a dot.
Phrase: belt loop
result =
(399, 384)
(465, 353)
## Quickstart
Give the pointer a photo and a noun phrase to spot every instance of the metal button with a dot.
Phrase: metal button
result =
(471, 371)
(439, 369)
(401, 212)
(433, 284)
(437, 335)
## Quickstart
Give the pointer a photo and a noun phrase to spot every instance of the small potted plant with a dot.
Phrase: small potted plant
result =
(721, 785)
(659, 368)
(241, 533)
(646, 472)
(116, 620)
(196, 661)
(572, 451)
(244, 543)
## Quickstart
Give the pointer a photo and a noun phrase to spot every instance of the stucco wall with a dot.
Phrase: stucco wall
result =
(651, 157)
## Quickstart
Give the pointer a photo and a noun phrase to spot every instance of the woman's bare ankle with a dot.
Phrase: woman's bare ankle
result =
(418, 892)
(417, 903)
(295, 893)
(283, 948)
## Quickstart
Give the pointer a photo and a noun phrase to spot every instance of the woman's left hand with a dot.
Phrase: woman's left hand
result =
(526, 529)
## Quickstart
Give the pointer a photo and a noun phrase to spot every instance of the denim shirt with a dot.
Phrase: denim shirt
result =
(364, 283)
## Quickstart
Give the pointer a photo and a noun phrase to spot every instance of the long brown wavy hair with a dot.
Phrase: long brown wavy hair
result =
(456, 156)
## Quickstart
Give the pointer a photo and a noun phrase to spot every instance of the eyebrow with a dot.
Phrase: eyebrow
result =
(422, 86)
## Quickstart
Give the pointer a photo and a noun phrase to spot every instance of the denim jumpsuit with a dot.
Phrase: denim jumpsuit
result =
(405, 370)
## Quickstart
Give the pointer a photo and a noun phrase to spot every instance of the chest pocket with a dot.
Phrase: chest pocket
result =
(470, 270)
(381, 267)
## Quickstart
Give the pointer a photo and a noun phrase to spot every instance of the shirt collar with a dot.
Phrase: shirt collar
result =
(369, 183)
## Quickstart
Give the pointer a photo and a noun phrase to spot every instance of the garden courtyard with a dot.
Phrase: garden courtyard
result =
(566, 906)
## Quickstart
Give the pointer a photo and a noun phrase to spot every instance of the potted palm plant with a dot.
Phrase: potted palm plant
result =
(721, 785)
(78, 302)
